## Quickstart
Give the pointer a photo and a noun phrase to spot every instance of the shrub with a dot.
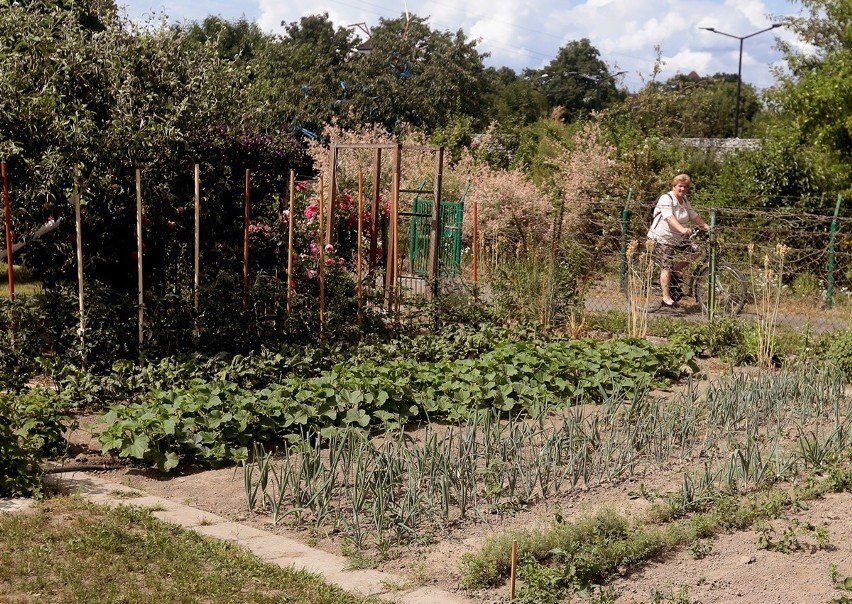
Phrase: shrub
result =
(840, 353)
(31, 428)
(805, 284)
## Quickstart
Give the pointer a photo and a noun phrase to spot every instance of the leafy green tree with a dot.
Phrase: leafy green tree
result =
(416, 76)
(241, 39)
(691, 106)
(814, 100)
(83, 89)
(513, 99)
(577, 80)
(303, 78)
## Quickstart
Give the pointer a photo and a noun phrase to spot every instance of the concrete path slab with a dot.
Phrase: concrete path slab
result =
(274, 549)
(15, 504)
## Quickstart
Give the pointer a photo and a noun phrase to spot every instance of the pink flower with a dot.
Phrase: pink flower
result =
(312, 273)
(329, 247)
(258, 227)
(301, 185)
(314, 248)
(329, 261)
(311, 211)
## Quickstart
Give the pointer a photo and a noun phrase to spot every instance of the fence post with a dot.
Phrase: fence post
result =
(711, 286)
(625, 217)
(829, 280)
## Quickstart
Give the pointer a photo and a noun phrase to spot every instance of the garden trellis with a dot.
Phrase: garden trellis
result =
(262, 268)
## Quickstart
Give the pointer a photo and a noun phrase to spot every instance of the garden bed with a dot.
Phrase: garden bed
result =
(730, 566)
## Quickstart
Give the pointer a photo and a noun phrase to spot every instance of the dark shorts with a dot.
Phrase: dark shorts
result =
(664, 253)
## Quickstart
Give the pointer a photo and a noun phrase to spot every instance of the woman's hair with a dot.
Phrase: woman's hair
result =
(682, 179)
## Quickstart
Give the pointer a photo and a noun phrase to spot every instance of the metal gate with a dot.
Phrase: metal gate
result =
(452, 213)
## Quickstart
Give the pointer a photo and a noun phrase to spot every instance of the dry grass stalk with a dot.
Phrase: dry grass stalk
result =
(640, 272)
(766, 285)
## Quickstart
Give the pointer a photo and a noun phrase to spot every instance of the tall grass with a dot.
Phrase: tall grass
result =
(766, 285)
(640, 273)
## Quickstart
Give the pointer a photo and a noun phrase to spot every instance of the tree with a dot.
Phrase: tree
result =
(814, 100)
(513, 100)
(692, 106)
(577, 80)
(416, 76)
(303, 77)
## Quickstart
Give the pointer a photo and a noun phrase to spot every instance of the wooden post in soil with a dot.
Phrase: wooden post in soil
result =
(374, 210)
(8, 216)
(475, 250)
(394, 244)
(196, 279)
(246, 219)
(139, 279)
(514, 568)
(290, 241)
(10, 266)
(358, 246)
(78, 227)
(321, 241)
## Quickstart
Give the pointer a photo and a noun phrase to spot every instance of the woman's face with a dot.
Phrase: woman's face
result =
(680, 189)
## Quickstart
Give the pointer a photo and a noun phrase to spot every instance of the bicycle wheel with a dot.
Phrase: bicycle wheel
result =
(730, 289)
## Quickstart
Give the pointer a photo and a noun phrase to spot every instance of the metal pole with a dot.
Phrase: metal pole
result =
(829, 281)
(739, 86)
(625, 217)
(740, 66)
(711, 287)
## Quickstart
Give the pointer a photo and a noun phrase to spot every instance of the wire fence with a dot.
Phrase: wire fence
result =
(813, 276)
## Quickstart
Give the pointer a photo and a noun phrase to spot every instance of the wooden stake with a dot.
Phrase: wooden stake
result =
(8, 214)
(321, 241)
(475, 246)
(140, 283)
(393, 245)
(78, 223)
(374, 209)
(290, 220)
(246, 219)
(513, 572)
(359, 240)
(196, 281)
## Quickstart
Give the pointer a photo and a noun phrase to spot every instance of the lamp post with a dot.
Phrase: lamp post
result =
(740, 66)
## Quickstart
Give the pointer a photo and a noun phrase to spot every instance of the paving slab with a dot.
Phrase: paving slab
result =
(15, 504)
(274, 549)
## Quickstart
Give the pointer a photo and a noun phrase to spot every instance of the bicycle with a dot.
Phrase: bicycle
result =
(731, 289)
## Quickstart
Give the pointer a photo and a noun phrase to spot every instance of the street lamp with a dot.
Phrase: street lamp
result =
(740, 67)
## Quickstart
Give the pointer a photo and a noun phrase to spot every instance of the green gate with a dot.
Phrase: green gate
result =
(452, 213)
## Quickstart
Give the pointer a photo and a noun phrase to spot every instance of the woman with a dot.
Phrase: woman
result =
(669, 230)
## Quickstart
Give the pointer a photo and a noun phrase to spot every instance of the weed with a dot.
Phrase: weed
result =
(700, 548)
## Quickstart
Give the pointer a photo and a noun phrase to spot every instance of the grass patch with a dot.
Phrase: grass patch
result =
(573, 556)
(21, 289)
(69, 551)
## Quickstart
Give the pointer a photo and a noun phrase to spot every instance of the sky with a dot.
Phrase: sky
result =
(523, 33)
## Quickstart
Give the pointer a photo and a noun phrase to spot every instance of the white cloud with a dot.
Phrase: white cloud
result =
(529, 33)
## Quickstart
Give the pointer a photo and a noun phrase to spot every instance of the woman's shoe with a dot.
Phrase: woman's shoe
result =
(671, 304)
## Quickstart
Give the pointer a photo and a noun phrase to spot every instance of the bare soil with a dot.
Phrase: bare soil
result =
(735, 569)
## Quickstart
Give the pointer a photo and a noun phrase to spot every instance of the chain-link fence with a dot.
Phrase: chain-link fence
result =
(799, 264)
